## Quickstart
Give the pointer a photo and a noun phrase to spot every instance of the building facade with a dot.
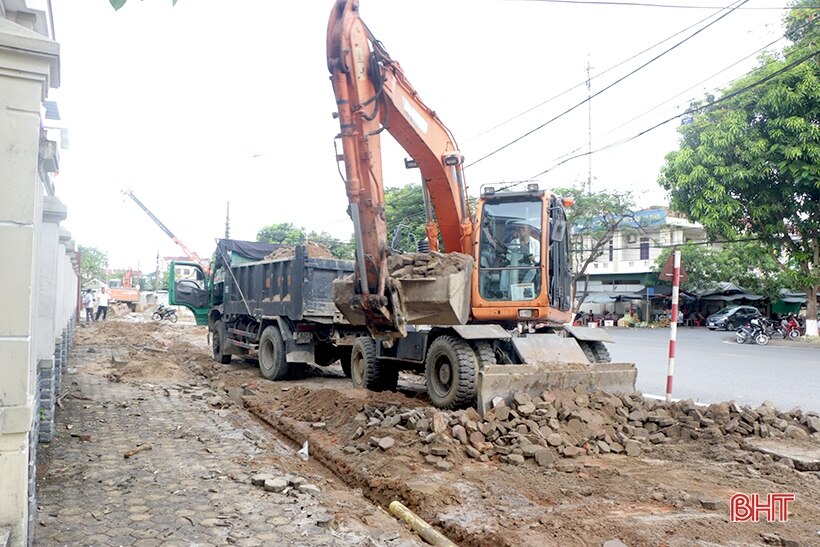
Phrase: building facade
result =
(628, 258)
(40, 273)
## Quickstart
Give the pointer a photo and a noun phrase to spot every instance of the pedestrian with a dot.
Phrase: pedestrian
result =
(88, 304)
(102, 305)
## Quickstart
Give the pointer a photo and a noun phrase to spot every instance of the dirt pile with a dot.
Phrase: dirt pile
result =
(419, 265)
(314, 250)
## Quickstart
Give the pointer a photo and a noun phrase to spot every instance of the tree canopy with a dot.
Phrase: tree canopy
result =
(93, 262)
(286, 233)
(748, 167)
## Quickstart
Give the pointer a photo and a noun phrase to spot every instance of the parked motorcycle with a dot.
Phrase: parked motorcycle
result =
(755, 330)
(163, 313)
(793, 328)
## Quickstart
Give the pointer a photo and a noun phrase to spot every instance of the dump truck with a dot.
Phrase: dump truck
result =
(268, 302)
(489, 316)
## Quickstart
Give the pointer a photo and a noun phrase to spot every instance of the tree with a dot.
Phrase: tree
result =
(595, 217)
(285, 233)
(749, 164)
(748, 264)
(404, 207)
(93, 262)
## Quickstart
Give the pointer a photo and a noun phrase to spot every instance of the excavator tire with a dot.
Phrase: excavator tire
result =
(218, 343)
(365, 369)
(450, 372)
(596, 351)
(484, 352)
(272, 361)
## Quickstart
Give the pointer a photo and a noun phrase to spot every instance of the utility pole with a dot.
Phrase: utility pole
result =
(589, 125)
(228, 221)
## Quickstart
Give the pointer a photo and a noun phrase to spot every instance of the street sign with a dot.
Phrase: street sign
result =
(669, 269)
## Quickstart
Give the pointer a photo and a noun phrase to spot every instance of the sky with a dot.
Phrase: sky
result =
(208, 102)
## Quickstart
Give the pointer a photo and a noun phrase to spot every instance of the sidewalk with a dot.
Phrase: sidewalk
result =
(194, 485)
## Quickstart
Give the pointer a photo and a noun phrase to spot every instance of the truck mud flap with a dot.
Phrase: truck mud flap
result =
(506, 380)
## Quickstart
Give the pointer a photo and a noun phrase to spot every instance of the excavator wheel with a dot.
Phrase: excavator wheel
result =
(272, 361)
(596, 351)
(365, 369)
(218, 343)
(484, 352)
(450, 372)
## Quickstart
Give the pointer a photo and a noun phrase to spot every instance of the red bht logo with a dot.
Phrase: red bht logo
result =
(749, 507)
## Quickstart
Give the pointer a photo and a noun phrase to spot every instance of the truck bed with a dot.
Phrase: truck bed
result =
(298, 287)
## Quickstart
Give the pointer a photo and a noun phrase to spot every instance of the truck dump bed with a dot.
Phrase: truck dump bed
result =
(297, 287)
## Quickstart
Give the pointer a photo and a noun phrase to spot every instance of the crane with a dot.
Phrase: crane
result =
(188, 252)
(494, 328)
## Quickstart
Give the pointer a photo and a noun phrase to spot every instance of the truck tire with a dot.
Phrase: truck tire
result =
(344, 360)
(450, 372)
(218, 343)
(365, 369)
(272, 362)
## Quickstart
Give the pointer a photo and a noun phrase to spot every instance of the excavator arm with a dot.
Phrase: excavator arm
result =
(374, 95)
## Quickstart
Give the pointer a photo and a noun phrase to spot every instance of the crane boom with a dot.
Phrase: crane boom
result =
(188, 252)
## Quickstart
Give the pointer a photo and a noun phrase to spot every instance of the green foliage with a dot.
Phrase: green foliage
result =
(92, 263)
(748, 264)
(285, 233)
(117, 4)
(404, 206)
(750, 166)
(596, 215)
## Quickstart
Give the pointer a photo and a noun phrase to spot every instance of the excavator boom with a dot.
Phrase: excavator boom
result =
(373, 95)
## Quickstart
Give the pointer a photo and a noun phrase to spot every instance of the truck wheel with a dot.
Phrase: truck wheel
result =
(344, 360)
(366, 371)
(596, 352)
(272, 361)
(450, 373)
(218, 343)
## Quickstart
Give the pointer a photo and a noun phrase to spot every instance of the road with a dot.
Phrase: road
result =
(711, 367)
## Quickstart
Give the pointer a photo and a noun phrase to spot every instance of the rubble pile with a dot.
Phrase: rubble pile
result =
(420, 265)
(560, 425)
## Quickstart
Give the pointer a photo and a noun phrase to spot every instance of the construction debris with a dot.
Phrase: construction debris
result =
(314, 250)
(420, 265)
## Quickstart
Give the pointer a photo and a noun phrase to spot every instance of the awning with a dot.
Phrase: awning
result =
(734, 297)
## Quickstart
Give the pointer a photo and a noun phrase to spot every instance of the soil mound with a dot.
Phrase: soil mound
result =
(314, 250)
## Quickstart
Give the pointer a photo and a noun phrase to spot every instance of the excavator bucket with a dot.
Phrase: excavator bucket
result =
(551, 362)
(433, 288)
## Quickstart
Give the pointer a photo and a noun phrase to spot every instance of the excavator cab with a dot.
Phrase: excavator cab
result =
(522, 259)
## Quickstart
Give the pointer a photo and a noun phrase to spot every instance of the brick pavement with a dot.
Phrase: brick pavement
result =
(193, 487)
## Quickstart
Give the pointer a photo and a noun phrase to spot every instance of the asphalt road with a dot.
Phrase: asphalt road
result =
(711, 367)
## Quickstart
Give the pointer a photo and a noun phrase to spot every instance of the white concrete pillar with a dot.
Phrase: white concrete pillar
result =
(28, 63)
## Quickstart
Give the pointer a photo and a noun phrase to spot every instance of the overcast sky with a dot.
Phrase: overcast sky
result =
(208, 102)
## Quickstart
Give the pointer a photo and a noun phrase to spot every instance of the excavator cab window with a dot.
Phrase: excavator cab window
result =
(510, 252)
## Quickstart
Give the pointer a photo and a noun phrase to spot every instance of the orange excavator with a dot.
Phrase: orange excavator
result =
(494, 320)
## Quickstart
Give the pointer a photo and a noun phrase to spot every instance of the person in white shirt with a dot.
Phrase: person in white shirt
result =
(523, 250)
(88, 304)
(102, 305)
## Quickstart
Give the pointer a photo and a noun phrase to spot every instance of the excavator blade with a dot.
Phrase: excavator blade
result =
(429, 299)
(550, 363)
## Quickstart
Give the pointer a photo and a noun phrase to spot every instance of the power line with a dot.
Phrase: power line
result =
(673, 6)
(688, 111)
(619, 80)
(639, 116)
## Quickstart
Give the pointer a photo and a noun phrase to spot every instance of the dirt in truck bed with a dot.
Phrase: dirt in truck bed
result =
(561, 469)
(314, 250)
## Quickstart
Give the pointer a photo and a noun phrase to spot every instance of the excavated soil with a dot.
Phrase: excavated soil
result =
(673, 494)
(314, 250)
(420, 265)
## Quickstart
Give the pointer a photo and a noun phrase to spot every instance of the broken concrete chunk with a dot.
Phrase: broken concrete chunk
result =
(277, 484)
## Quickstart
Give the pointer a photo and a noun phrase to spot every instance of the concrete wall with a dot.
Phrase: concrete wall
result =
(29, 65)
